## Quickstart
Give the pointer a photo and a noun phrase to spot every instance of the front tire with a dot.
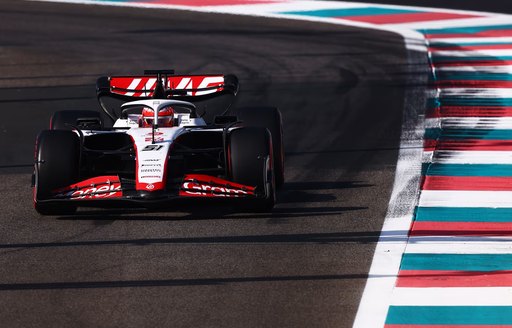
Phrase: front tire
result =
(57, 165)
(270, 118)
(251, 165)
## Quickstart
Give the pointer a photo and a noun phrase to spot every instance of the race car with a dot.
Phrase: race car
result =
(167, 140)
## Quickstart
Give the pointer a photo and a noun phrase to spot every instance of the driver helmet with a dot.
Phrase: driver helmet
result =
(165, 117)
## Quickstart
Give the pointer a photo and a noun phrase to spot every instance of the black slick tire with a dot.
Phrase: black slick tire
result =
(270, 118)
(251, 164)
(57, 165)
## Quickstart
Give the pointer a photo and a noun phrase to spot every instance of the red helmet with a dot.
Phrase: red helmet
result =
(165, 117)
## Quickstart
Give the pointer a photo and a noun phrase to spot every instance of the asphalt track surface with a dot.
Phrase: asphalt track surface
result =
(341, 92)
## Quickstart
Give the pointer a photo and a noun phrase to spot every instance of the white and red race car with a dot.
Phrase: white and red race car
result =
(147, 160)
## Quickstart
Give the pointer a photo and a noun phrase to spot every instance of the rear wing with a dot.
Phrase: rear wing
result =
(189, 86)
(163, 84)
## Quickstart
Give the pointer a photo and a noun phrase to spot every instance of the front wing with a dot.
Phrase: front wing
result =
(105, 191)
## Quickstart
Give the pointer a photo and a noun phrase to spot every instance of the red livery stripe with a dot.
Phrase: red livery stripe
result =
(426, 228)
(143, 86)
(433, 278)
(407, 17)
(200, 185)
(150, 186)
(94, 188)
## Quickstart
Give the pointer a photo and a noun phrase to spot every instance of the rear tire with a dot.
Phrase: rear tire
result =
(251, 165)
(270, 118)
(66, 119)
(57, 165)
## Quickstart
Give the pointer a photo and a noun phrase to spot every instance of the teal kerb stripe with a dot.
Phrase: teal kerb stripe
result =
(456, 262)
(433, 103)
(467, 170)
(473, 76)
(463, 214)
(432, 133)
(459, 101)
(466, 30)
(349, 12)
(457, 134)
(449, 315)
